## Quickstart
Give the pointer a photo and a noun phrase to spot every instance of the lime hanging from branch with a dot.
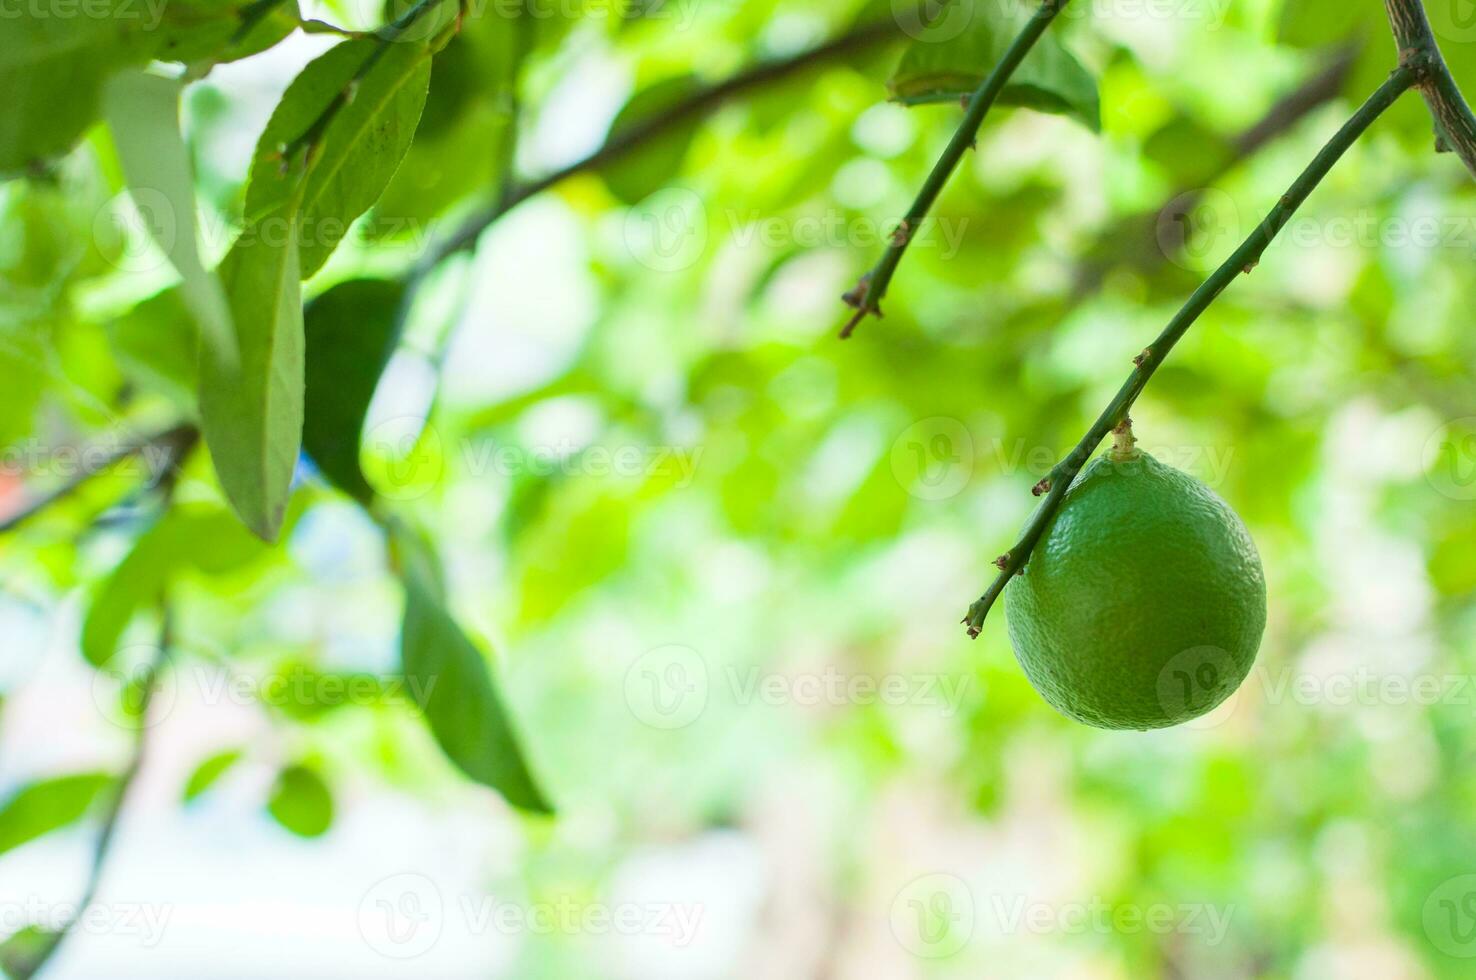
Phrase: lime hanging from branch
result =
(1143, 603)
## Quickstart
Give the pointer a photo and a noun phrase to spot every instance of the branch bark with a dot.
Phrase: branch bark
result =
(1242, 260)
(639, 133)
(867, 296)
(108, 834)
(1132, 239)
(1455, 127)
(311, 138)
(176, 441)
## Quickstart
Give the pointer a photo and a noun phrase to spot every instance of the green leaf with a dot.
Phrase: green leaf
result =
(136, 582)
(943, 67)
(443, 169)
(52, 71)
(456, 81)
(208, 772)
(205, 30)
(203, 538)
(467, 129)
(351, 333)
(209, 541)
(21, 952)
(41, 807)
(636, 175)
(143, 112)
(251, 394)
(302, 802)
(450, 679)
(359, 151)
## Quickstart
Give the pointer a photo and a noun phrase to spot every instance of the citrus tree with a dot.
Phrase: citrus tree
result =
(342, 338)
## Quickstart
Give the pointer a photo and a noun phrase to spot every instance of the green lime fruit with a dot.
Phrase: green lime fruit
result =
(1144, 601)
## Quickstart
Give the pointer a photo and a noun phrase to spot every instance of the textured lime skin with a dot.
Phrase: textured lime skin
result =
(1144, 601)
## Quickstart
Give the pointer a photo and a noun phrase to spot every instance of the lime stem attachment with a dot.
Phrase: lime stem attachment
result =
(1124, 445)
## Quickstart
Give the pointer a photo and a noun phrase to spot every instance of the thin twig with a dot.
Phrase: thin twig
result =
(637, 135)
(251, 15)
(108, 833)
(311, 138)
(979, 104)
(1455, 127)
(1132, 239)
(1242, 260)
(1318, 90)
(175, 441)
(184, 439)
(641, 132)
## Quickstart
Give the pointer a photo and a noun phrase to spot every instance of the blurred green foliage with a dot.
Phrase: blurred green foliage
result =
(645, 464)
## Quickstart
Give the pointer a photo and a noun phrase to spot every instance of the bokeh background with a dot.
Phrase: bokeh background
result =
(719, 557)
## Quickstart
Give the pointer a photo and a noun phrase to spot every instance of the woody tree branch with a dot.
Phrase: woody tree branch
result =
(1242, 260)
(175, 443)
(148, 682)
(643, 131)
(107, 835)
(1132, 239)
(1455, 127)
(873, 286)
(312, 137)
